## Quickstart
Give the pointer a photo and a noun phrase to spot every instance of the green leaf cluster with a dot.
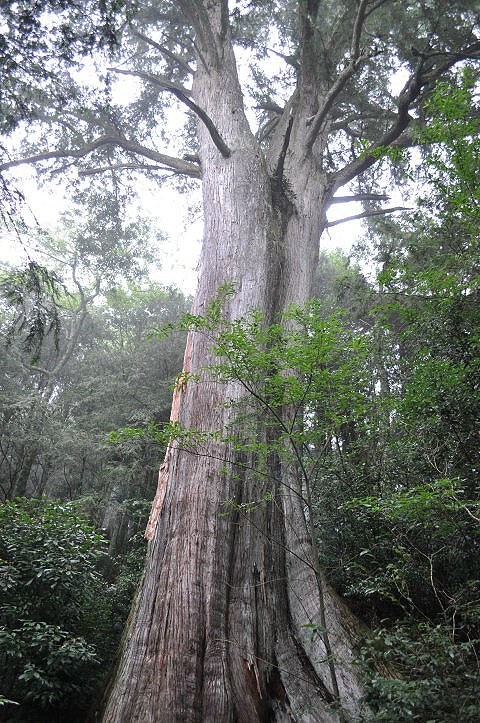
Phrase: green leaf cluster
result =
(60, 615)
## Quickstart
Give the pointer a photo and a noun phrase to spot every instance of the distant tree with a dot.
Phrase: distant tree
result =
(64, 389)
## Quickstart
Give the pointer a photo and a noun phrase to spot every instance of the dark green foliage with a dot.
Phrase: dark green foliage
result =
(60, 615)
(438, 675)
(406, 550)
(420, 553)
(32, 295)
(37, 38)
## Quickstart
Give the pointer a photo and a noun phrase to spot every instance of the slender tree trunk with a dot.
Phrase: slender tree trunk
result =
(29, 457)
(217, 632)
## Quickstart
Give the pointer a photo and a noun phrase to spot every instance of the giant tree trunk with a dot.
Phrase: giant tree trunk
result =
(217, 632)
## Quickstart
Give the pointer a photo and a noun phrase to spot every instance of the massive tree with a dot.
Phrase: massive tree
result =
(222, 626)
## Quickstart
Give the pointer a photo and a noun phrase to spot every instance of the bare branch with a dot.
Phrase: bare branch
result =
(165, 51)
(126, 167)
(367, 214)
(267, 129)
(278, 173)
(288, 59)
(72, 153)
(271, 107)
(357, 29)
(176, 164)
(360, 197)
(158, 80)
(207, 121)
(183, 96)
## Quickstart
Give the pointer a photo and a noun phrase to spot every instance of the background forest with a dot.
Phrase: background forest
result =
(387, 383)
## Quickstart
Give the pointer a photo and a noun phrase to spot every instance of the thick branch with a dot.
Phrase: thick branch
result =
(356, 57)
(183, 95)
(367, 214)
(278, 173)
(176, 164)
(126, 167)
(411, 92)
(207, 121)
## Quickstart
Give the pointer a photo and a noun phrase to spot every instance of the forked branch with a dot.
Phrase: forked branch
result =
(360, 197)
(356, 58)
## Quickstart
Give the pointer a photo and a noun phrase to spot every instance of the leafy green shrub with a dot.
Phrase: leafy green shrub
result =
(423, 564)
(60, 618)
(53, 663)
(438, 676)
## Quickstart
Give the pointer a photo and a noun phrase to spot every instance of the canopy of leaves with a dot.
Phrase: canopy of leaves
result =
(341, 54)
